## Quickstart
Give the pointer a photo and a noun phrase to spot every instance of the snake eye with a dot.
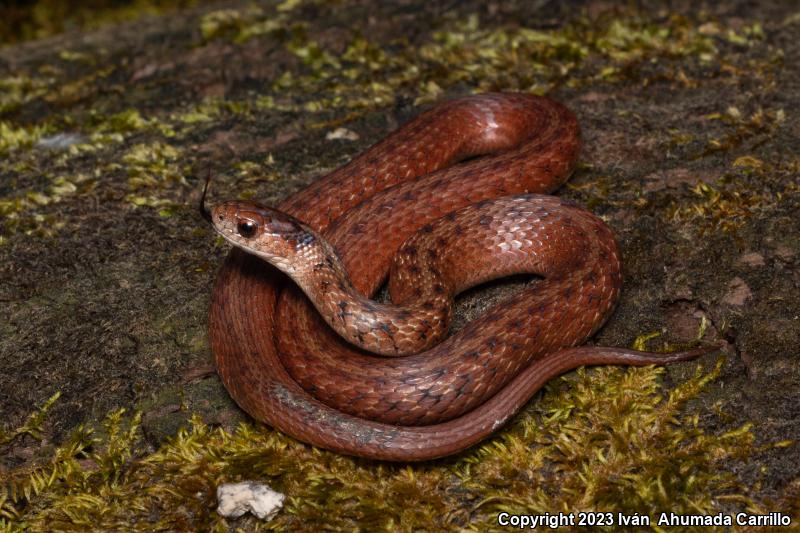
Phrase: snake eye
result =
(246, 228)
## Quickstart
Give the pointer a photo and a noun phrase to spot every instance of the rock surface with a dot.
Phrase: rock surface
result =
(691, 155)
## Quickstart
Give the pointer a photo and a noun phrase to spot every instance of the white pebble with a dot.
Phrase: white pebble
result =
(342, 133)
(235, 499)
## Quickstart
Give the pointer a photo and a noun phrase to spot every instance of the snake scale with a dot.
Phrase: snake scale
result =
(451, 199)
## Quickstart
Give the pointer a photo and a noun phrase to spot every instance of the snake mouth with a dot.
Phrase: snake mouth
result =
(205, 211)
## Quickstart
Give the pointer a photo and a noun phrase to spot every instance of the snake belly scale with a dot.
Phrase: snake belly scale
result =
(302, 362)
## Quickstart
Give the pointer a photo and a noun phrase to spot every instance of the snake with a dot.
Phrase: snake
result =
(454, 198)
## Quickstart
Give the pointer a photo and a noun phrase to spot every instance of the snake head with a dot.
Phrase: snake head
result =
(272, 235)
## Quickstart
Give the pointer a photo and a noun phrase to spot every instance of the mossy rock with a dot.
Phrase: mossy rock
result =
(691, 144)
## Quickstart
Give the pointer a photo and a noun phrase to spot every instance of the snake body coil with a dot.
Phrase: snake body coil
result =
(470, 222)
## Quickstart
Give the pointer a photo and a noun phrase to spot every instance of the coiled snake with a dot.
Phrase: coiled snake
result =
(459, 225)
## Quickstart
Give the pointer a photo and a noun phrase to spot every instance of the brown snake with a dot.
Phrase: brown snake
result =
(467, 223)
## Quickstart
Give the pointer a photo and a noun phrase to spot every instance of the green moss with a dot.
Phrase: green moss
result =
(331, 88)
(368, 75)
(15, 91)
(606, 439)
(751, 187)
(24, 21)
(12, 138)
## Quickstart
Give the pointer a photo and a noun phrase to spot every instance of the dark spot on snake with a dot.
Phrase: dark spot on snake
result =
(516, 324)
(414, 269)
(324, 284)
(427, 306)
(438, 289)
(385, 327)
(427, 228)
(474, 354)
(450, 216)
(305, 239)
(568, 292)
(408, 196)
(432, 254)
(319, 266)
(485, 220)
(344, 313)
(458, 230)
(491, 342)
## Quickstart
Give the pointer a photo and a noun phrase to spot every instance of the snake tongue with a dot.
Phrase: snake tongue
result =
(205, 212)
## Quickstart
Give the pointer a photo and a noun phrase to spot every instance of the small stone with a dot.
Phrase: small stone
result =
(738, 292)
(342, 133)
(60, 141)
(235, 499)
(676, 177)
(752, 259)
(784, 253)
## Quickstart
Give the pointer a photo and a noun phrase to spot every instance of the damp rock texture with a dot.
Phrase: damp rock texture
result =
(691, 154)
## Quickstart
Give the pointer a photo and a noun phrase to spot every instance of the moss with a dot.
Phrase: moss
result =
(12, 138)
(366, 76)
(21, 22)
(606, 439)
(152, 167)
(15, 91)
(751, 187)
